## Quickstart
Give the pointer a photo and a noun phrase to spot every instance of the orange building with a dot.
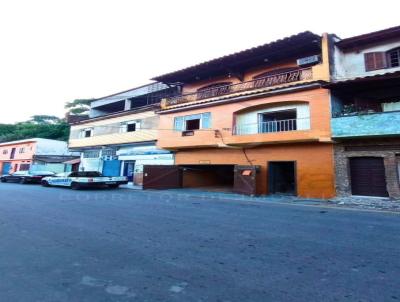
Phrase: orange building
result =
(255, 122)
(22, 155)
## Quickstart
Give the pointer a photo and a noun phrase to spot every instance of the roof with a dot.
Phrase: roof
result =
(152, 107)
(386, 77)
(271, 52)
(29, 140)
(134, 92)
(369, 38)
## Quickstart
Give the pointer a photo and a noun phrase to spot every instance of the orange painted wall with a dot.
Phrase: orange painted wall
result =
(222, 117)
(314, 162)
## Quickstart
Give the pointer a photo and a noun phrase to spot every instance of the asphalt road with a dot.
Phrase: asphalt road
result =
(121, 245)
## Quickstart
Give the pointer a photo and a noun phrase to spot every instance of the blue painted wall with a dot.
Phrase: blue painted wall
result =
(384, 123)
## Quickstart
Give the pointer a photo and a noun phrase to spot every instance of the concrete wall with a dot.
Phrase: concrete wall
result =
(385, 123)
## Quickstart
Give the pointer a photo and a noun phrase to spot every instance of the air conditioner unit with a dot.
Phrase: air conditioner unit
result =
(308, 60)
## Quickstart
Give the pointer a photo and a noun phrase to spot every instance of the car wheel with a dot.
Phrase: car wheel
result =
(3, 180)
(45, 183)
(75, 186)
(23, 181)
(113, 186)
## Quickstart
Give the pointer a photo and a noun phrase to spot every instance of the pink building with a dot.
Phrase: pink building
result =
(21, 155)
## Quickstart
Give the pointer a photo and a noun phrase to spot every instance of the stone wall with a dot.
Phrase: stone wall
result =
(389, 149)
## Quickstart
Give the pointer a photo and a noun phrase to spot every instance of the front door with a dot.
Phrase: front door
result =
(282, 177)
(111, 168)
(12, 154)
(367, 176)
(129, 168)
(6, 168)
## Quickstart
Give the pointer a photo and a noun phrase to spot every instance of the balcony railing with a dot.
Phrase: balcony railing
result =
(268, 81)
(272, 126)
(368, 125)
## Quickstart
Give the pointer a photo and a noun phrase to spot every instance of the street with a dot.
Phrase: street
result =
(125, 245)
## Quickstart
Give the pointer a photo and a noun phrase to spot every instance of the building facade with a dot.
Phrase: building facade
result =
(119, 137)
(365, 93)
(34, 154)
(261, 113)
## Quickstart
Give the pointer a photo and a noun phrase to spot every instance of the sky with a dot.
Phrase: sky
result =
(54, 51)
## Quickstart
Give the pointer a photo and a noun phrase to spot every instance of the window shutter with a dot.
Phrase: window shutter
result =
(375, 60)
(206, 120)
(178, 123)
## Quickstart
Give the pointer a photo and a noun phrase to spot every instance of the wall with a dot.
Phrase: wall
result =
(385, 123)
(51, 147)
(222, 119)
(390, 155)
(108, 131)
(315, 175)
(350, 64)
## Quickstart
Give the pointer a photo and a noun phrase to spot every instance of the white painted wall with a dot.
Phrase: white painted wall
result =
(141, 156)
(247, 123)
(351, 64)
(51, 147)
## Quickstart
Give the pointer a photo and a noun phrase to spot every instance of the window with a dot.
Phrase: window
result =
(86, 132)
(21, 150)
(277, 121)
(130, 126)
(393, 57)
(375, 61)
(5, 151)
(193, 122)
(91, 154)
(24, 167)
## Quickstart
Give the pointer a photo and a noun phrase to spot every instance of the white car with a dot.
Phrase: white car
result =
(79, 180)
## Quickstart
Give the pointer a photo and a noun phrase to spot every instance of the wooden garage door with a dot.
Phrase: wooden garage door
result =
(162, 177)
(368, 176)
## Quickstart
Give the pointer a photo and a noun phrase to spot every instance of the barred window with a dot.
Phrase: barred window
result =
(394, 57)
(91, 154)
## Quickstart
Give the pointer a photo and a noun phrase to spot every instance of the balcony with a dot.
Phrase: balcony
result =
(373, 124)
(114, 138)
(293, 76)
(272, 126)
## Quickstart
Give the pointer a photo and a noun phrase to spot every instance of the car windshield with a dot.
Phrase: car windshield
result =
(20, 173)
(63, 174)
(86, 174)
(42, 173)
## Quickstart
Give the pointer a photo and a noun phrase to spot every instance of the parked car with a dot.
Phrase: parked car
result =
(79, 180)
(25, 177)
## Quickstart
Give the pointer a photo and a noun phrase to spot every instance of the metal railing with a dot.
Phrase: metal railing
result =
(272, 126)
(268, 81)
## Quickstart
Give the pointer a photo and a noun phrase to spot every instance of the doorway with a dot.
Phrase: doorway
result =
(367, 176)
(282, 177)
(129, 169)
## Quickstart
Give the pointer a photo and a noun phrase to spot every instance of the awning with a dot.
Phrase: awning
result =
(73, 161)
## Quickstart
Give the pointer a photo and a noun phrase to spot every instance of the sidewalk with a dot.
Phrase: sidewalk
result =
(366, 203)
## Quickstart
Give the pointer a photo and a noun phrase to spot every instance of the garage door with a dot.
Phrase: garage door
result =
(162, 177)
(368, 176)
